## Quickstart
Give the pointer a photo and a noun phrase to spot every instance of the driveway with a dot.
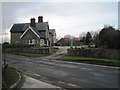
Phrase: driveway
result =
(61, 52)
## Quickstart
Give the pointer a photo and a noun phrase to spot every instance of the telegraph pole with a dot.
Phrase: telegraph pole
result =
(4, 50)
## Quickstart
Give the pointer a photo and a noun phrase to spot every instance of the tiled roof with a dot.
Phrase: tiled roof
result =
(37, 32)
(42, 26)
(76, 39)
(23, 26)
(17, 27)
(52, 31)
(67, 39)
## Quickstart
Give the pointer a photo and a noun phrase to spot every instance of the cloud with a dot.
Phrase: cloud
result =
(61, 0)
(66, 17)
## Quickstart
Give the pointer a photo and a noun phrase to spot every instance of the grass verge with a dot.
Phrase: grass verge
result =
(10, 77)
(91, 60)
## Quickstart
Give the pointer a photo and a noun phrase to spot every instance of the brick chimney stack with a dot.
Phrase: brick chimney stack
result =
(40, 19)
(32, 22)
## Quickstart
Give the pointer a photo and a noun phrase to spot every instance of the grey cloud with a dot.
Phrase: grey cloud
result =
(12, 11)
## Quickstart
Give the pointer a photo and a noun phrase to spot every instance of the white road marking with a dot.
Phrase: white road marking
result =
(26, 58)
(37, 74)
(72, 84)
(61, 82)
(86, 69)
(67, 65)
(98, 74)
(21, 70)
(46, 62)
(29, 62)
(44, 59)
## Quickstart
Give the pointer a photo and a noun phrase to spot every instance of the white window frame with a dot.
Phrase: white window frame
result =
(31, 41)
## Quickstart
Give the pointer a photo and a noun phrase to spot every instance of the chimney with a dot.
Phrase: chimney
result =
(32, 22)
(40, 19)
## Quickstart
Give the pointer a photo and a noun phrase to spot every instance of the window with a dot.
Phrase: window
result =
(31, 41)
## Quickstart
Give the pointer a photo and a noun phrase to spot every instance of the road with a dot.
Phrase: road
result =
(66, 74)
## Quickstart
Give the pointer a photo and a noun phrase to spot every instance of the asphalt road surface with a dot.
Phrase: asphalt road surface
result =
(66, 74)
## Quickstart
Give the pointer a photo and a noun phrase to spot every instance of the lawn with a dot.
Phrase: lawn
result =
(10, 77)
(103, 61)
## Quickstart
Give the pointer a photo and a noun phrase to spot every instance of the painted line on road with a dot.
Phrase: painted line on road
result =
(29, 62)
(71, 66)
(37, 74)
(45, 59)
(26, 59)
(87, 69)
(21, 70)
(60, 82)
(49, 63)
(72, 84)
(98, 74)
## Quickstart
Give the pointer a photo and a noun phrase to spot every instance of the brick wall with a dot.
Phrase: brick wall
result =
(15, 37)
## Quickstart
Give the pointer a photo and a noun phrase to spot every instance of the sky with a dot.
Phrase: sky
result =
(71, 18)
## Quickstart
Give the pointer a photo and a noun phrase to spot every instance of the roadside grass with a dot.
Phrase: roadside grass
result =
(92, 60)
(30, 54)
(10, 77)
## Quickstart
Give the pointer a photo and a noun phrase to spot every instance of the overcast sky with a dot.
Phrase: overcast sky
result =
(66, 17)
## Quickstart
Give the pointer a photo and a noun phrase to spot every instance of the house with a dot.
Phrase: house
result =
(69, 42)
(33, 33)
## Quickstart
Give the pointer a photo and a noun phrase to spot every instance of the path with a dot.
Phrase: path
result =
(34, 83)
(61, 52)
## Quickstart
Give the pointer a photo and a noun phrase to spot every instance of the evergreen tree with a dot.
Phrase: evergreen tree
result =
(88, 38)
